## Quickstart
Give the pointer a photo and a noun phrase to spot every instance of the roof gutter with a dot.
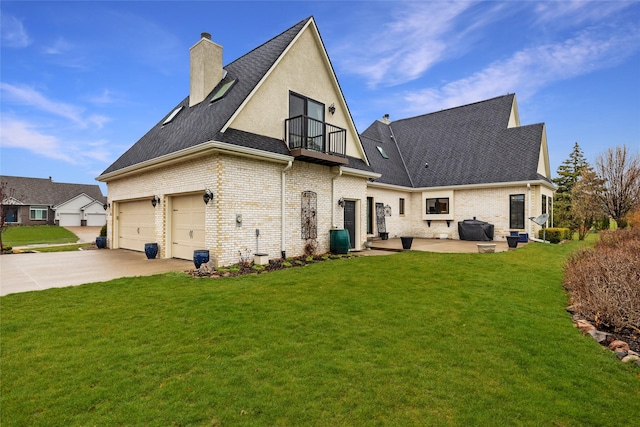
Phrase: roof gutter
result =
(191, 152)
(540, 182)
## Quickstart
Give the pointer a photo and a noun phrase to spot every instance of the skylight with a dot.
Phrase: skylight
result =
(381, 150)
(223, 91)
(172, 115)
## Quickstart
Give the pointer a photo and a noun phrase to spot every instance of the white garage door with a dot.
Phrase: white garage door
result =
(96, 219)
(69, 219)
(136, 224)
(187, 225)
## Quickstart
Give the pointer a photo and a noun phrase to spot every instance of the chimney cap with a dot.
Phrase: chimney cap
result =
(205, 36)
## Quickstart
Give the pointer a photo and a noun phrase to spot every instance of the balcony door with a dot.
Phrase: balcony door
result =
(309, 131)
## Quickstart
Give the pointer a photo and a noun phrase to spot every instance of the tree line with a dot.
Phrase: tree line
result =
(588, 197)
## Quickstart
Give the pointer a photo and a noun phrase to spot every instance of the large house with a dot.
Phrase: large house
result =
(263, 156)
(41, 201)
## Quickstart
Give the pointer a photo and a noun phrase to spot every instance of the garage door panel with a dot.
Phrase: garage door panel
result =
(69, 219)
(136, 224)
(187, 226)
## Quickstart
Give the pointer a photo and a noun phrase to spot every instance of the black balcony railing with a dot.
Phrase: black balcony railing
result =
(303, 132)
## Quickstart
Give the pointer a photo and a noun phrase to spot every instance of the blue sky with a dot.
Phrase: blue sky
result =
(81, 81)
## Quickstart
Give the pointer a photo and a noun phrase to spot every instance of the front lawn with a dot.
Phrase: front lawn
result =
(408, 339)
(24, 235)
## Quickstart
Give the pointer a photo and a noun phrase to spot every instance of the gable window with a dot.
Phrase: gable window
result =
(516, 211)
(401, 206)
(438, 205)
(38, 213)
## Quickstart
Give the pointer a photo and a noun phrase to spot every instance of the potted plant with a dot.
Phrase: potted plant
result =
(101, 240)
(407, 241)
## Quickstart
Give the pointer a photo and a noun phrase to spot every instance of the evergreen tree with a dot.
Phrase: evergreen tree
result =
(568, 175)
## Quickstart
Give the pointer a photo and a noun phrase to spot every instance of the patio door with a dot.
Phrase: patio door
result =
(350, 220)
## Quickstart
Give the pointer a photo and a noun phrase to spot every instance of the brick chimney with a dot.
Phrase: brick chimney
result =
(206, 68)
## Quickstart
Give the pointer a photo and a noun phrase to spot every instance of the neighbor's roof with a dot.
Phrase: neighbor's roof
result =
(465, 145)
(43, 191)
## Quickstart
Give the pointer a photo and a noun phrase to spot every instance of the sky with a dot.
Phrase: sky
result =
(82, 81)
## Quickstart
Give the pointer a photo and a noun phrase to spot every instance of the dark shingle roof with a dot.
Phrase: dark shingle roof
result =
(42, 191)
(465, 145)
(202, 122)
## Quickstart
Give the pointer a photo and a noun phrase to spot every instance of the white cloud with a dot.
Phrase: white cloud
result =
(575, 12)
(417, 37)
(20, 134)
(17, 133)
(528, 70)
(12, 32)
(25, 95)
(59, 47)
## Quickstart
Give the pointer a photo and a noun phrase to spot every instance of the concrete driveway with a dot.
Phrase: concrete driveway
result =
(37, 271)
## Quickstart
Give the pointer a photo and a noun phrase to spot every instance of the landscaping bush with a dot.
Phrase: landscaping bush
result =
(103, 231)
(555, 235)
(604, 282)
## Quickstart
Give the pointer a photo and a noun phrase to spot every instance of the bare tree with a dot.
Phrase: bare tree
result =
(619, 171)
(586, 206)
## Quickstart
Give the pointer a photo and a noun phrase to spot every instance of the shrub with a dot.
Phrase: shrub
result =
(555, 235)
(103, 231)
(604, 282)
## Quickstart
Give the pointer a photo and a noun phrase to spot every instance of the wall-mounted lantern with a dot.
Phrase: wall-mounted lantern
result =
(341, 202)
(208, 195)
(332, 109)
(106, 206)
(155, 201)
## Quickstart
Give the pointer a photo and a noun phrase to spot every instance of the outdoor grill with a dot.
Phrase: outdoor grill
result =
(475, 230)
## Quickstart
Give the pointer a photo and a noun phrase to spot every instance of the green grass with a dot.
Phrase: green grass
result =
(407, 339)
(37, 234)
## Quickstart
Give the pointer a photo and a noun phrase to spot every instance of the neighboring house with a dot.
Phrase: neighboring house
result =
(255, 159)
(473, 161)
(263, 157)
(36, 201)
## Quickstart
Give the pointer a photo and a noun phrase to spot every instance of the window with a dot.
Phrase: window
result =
(516, 211)
(223, 91)
(439, 205)
(401, 207)
(382, 152)
(172, 115)
(308, 131)
(38, 213)
(370, 212)
(544, 204)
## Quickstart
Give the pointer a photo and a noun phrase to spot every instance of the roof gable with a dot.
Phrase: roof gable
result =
(473, 144)
(204, 122)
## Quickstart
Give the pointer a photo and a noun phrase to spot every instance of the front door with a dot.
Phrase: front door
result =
(350, 220)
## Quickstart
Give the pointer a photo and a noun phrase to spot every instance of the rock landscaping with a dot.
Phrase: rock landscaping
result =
(625, 344)
(245, 268)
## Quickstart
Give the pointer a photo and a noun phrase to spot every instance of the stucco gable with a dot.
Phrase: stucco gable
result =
(304, 68)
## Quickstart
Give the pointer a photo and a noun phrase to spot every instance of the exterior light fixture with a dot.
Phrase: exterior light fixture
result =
(332, 109)
(341, 202)
(208, 195)
(155, 201)
(106, 206)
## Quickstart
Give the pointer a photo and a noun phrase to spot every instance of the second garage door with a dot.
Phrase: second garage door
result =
(136, 224)
(187, 225)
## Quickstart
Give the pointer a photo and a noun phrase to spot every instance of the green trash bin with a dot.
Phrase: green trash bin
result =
(339, 242)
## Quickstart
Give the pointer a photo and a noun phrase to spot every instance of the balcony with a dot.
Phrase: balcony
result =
(314, 141)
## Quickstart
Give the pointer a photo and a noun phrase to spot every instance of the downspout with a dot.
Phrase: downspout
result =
(283, 208)
(333, 198)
